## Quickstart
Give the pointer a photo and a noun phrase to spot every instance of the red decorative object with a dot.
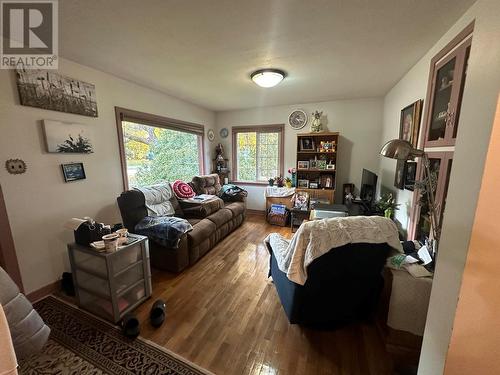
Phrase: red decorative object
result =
(182, 190)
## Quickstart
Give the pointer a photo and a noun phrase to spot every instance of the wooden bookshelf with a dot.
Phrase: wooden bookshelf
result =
(312, 148)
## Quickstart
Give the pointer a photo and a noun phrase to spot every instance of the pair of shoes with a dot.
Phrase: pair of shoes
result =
(131, 326)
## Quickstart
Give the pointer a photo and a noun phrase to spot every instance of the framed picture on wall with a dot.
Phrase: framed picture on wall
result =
(409, 123)
(73, 172)
(399, 177)
(410, 175)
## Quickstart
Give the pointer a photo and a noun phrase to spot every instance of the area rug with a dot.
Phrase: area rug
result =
(80, 343)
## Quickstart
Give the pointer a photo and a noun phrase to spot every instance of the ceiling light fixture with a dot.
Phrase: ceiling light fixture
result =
(268, 77)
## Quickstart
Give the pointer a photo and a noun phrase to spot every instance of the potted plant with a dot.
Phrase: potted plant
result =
(280, 181)
(387, 204)
(288, 182)
(271, 181)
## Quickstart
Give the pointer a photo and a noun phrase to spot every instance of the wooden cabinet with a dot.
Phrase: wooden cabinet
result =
(447, 80)
(440, 166)
(317, 164)
(448, 73)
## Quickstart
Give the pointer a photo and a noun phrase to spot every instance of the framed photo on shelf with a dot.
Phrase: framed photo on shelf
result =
(410, 175)
(330, 167)
(409, 123)
(313, 164)
(301, 200)
(399, 176)
(303, 184)
(327, 146)
(302, 164)
(306, 144)
(327, 181)
(313, 185)
(321, 164)
(73, 172)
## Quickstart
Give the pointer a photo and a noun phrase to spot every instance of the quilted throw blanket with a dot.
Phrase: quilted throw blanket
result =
(165, 230)
(317, 237)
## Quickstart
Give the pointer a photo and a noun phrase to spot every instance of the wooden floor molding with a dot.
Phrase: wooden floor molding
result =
(224, 314)
(44, 291)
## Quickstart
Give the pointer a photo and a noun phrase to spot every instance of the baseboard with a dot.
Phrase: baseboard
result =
(43, 291)
(256, 212)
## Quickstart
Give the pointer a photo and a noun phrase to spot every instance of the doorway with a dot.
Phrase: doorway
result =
(8, 257)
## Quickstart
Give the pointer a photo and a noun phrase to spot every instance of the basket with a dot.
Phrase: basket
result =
(278, 215)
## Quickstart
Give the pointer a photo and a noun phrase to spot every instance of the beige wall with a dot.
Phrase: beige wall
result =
(475, 342)
(358, 121)
(39, 201)
(476, 119)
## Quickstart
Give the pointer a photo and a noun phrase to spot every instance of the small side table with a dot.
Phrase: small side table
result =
(297, 217)
(111, 284)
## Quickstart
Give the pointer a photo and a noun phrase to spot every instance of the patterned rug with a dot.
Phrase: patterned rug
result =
(80, 343)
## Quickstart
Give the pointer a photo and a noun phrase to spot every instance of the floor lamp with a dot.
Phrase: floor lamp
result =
(403, 150)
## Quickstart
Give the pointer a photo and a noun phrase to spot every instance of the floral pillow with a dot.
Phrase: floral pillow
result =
(182, 190)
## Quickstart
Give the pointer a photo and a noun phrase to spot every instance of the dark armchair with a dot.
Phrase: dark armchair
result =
(343, 285)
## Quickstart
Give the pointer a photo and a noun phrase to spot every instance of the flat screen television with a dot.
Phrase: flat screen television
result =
(368, 186)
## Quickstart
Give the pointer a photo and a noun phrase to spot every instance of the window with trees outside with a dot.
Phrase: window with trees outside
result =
(153, 154)
(257, 153)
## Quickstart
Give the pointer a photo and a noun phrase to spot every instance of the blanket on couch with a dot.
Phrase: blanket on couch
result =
(318, 237)
(165, 230)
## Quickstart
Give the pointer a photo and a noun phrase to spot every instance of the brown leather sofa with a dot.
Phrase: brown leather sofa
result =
(212, 221)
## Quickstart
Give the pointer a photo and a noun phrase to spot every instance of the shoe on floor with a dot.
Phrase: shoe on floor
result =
(158, 313)
(130, 326)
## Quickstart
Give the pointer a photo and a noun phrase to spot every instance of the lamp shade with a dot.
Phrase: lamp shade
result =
(400, 149)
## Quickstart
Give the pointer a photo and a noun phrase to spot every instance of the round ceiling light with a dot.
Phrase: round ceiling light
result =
(267, 77)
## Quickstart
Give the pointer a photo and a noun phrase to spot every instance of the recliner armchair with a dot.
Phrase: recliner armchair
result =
(343, 285)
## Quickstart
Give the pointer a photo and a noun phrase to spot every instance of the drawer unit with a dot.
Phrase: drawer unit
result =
(111, 284)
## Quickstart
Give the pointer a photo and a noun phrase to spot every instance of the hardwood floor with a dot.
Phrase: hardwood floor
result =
(224, 315)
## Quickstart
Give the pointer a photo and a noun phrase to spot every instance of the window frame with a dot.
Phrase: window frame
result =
(143, 118)
(275, 128)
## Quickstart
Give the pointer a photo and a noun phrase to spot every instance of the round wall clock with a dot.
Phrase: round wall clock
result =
(211, 135)
(297, 119)
(224, 132)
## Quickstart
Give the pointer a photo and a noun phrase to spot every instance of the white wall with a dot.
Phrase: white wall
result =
(358, 121)
(478, 108)
(39, 201)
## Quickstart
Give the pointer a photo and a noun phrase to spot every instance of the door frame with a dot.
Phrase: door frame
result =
(8, 257)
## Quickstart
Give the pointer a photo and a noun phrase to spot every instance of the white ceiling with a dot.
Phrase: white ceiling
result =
(203, 51)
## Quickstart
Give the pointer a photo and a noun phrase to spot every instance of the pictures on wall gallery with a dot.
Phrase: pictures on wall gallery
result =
(409, 128)
(48, 89)
(409, 123)
(73, 172)
(63, 137)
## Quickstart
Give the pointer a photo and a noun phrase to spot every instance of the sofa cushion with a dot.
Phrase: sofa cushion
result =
(193, 221)
(221, 217)
(201, 209)
(209, 184)
(237, 208)
(182, 190)
(201, 231)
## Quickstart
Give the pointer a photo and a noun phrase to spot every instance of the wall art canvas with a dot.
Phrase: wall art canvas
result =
(409, 124)
(73, 172)
(64, 137)
(48, 89)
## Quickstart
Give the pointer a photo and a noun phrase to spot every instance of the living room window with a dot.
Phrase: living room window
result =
(155, 149)
(257, 153)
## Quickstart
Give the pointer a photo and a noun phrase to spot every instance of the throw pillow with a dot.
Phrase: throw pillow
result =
(182, 190)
